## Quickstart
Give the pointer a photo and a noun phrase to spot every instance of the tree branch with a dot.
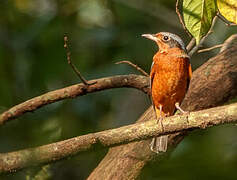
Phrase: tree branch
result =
(134, 66)
(191, 52)
(69, 60)
(191, 44)
(231, 41)
(49, 153)
(129, 81)
(210, 48)
(181, 18)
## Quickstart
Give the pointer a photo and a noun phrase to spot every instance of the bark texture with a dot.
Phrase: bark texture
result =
(213, 84)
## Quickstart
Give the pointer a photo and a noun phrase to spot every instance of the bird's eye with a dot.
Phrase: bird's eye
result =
(166, 38)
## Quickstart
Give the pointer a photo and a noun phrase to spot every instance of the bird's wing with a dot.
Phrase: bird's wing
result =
(189, 74)
(152, 75)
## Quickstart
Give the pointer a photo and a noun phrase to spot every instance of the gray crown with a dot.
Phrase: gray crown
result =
(176, 38)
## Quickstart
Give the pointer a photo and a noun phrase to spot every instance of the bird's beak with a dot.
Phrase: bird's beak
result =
(150, 36)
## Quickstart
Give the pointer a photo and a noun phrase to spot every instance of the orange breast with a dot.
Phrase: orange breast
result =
(169, 81)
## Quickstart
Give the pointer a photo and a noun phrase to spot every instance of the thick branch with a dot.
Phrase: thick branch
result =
(48, 153)
(130, 81)
(212, 84)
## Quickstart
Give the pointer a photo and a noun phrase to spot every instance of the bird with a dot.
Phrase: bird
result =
(170, 77)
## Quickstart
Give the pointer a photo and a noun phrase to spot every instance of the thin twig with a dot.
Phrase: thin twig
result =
(227, 23)
(191, 52)
(181, 18)
(204, 38)
(69, 60)
(135, 66)
(210, 48)
(192, 41)
(191, 44)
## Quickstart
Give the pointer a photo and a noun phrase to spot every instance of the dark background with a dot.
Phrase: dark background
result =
(33, 62)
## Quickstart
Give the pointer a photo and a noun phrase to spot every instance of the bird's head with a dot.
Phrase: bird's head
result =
(166, 40)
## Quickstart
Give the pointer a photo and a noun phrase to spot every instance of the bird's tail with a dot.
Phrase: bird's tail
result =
(159, 144)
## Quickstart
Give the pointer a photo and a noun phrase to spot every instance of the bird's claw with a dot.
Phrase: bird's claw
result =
(159, 120)
(181, 110)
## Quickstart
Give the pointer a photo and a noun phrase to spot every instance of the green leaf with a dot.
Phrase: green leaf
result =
(198, 16)
(228, 9)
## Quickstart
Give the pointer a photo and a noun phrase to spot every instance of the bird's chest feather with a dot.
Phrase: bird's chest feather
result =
(170, 79)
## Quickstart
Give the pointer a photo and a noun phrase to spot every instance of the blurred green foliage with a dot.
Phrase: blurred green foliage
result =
(33, 61)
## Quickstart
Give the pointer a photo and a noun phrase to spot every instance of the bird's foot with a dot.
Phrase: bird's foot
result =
(181, 110)
(160, 120)
(186, 113)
